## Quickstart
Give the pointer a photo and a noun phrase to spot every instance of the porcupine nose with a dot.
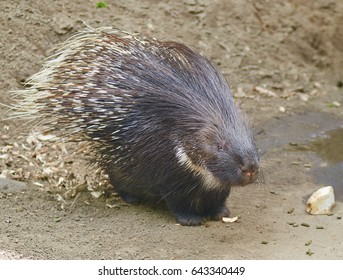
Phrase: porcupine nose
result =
(249, 172)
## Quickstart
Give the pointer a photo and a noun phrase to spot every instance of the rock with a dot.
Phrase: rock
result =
(321, 201)
(229, 220)
(11, 186)
(63, 24)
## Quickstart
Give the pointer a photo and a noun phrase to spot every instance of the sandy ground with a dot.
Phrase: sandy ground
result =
(294, 49)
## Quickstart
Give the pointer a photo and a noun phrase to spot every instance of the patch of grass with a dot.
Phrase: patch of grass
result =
(101, 4)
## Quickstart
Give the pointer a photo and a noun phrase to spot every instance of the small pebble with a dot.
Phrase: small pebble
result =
(308, 243)
(229, 220)
(319, 227)
(290, 211)
(264, 242)
(309, 252)
(304, 97)
(317, 84)
(293, 144)
(305, 225)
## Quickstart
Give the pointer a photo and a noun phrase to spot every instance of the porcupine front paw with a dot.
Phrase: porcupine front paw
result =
(219, 213)
(190, 219)
(187, 219)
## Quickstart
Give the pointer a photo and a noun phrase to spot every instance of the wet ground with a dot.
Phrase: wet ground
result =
(315, 135)
(328, 165)
(284, 61)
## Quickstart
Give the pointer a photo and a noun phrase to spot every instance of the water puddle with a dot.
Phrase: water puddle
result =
(318, 135)
(328, 164)
(326, 150)
(329, 146)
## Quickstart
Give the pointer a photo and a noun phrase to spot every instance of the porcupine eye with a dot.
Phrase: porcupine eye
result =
(220, 144)
(220, 147)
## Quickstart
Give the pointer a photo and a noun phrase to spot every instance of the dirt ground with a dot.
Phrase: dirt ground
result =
(284, 62)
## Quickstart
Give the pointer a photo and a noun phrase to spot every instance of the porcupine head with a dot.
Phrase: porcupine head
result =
(159, 115)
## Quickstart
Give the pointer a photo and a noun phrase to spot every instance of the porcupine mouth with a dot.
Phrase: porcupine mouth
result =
(243, 177)
(249, 176)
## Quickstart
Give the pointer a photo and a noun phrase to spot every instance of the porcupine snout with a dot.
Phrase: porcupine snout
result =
(250, 170)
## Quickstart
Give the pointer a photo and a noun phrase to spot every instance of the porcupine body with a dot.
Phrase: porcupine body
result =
(159, 115)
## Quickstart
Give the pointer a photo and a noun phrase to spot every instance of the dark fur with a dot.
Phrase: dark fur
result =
(170, 97)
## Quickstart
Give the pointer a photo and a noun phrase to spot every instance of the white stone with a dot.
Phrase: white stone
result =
(321, 201)
(229, 220)
(282, 109)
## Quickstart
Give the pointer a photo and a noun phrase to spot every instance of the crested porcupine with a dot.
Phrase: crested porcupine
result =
(159, 115)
